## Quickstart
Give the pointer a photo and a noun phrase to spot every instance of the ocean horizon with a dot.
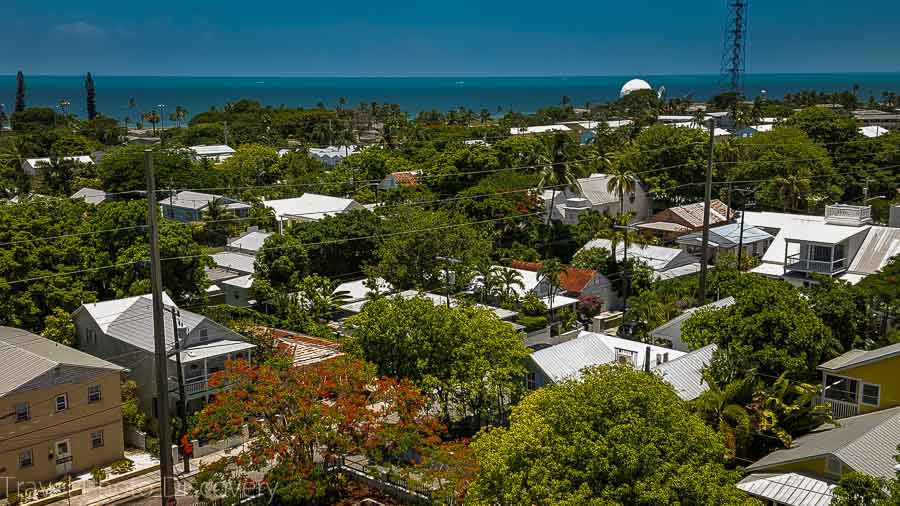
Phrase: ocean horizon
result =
(413, 94)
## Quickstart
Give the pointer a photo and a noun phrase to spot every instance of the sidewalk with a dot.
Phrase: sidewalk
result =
(139, 486)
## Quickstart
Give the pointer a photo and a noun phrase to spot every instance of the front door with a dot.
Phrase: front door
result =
(63, 457)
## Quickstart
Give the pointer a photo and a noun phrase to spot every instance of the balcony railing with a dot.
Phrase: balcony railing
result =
(848, 215)
(841, 409)
(796, 263)
(195, 386)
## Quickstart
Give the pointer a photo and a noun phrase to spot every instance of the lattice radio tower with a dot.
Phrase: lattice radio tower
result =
(734, 52)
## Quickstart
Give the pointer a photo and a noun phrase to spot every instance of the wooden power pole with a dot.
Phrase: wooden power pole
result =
(704, 262)
(167, 474)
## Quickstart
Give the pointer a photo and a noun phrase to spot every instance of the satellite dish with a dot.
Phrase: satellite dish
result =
(661, 93)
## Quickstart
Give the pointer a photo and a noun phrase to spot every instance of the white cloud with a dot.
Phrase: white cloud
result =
(80, 29)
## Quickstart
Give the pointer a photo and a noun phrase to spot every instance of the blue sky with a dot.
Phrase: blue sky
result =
(459, 37)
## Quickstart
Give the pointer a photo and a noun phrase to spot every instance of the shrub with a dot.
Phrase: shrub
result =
(122, 466)
(532, 323)
(13, 499)
(98, 474)
(152, 445)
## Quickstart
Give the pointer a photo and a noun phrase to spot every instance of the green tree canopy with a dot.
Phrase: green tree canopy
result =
(617, 436)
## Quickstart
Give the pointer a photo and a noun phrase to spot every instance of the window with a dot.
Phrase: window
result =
(821, 253)
(97, 439)
(833, 466)
(22, 412)
(841, 389)
(531, 381)
(62, 402)
(871, 394)
(94, 393)
(624, 356)
(201, 333)
(26, 458)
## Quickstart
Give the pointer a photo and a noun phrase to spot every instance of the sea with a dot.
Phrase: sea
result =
(413, 94)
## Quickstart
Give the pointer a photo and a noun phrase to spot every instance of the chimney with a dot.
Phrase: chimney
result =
(665, 357)
(894, 218)
(182, 333)
(647, 360)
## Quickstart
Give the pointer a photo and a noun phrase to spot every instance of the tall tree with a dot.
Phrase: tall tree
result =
(617, 436)
(20, 92)
(557, 172)
(91, 96)
(2, 119)
(621, 181)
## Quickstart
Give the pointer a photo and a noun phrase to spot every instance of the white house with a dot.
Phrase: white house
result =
(843, 244)
(592, 194)
(666, 263)
(216, 153)
(309, 207)
(121, 331)
(30, 165)
(331, 155)
(536, 130)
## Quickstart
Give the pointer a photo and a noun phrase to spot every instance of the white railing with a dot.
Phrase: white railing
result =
(796, 263)
(192, 387)
(842, 409)
(849, 215)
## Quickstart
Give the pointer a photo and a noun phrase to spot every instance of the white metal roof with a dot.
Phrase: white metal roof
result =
(212, 150)
(502, 314)
(235, 261)
(310, 206)
(873, 131)
(251, 241)
(90, 195)
(197, 200)
(538, 129)
(333, 152)
(214, 349)
(34, 162)
(879, 246)
(559, 301)
(357, 290)
(657, 257)
(685, 373)
(791, 489)
(240, 281)
(107, 311)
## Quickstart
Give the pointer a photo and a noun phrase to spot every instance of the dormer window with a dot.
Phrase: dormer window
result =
(202, 334)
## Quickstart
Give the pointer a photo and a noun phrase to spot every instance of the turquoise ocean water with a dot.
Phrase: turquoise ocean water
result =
(524, 94)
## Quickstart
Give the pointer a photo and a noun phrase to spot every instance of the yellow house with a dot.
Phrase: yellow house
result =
(860, 381)
(61, 411)
(806, 473)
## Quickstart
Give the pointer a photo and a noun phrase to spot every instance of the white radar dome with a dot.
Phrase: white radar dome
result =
(634, 85)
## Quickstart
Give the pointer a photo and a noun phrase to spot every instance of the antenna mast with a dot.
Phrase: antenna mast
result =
(734, 52)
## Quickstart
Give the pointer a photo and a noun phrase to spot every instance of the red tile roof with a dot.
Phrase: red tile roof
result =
(405, 178)
(573, 279)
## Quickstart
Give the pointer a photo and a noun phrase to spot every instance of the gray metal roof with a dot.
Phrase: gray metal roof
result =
(855, 358)
(866, 443)
(880, 244)
(25, 356)
(793, 489)
(566, 360)
(671, 330)
(90, 195)
(197, 201)
(240, 262)
(727, 236)
(251, 241)
(685, 373)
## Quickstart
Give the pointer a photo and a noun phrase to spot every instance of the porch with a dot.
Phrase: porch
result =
(811, 257)
(200, 363)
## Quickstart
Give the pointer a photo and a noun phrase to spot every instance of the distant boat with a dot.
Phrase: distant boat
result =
(260, 82)
(460, 83)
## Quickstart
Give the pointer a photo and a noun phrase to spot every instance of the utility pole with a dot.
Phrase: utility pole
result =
(701, 296)
(226, 132)
(182, 398)
(167, 475)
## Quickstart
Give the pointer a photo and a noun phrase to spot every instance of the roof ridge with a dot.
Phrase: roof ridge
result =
(26, 350)
(887, 419)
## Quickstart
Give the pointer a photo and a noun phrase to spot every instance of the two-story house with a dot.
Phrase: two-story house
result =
(861, 381)
(673, 222)
(574, 283)
(62, 411)
(807, 472)
(121, 331)
(592, 194)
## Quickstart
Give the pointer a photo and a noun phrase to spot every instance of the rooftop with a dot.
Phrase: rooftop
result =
(310, 206)
(197, 200)
(90, 195)
(866, 443)
(572, 279)
(685, 373)
(251, 241)
(212, 150)
(792, 489)
(727, 236)
(538, 129)
(25, 356)
(854, 358)
(671, 330)
(502, 314)
(232, 260)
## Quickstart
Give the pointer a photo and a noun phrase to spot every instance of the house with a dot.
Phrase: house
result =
(501, 314)
(360, 289)
(669, 333)
(587, 130)
(309, 207)
(873, 131)
(122, 331)
(671, 223)
(236, 291)
(398, 179)
(807, 472)
(574, 283)
(842, 244)
(90, 195)
(567, 360)
(331, 155)
(666, 263)
(31, 165)
(187, 206)
(725, 239)
(750, 131)
(249, 243)
(685, 373)
(304, 350)
(537, 130)
(61, 407)
(860, 382)
(217, 153)
(869, 117)
(592, 194)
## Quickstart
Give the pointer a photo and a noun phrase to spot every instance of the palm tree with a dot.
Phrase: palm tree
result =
(126, 120)
(551, 270)
(508, 279)
(153, 118)
(724, 407)
(621, 181)
(484, 116)
(791, 187)
(342, 101)
(489, 276)
(557, 172)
